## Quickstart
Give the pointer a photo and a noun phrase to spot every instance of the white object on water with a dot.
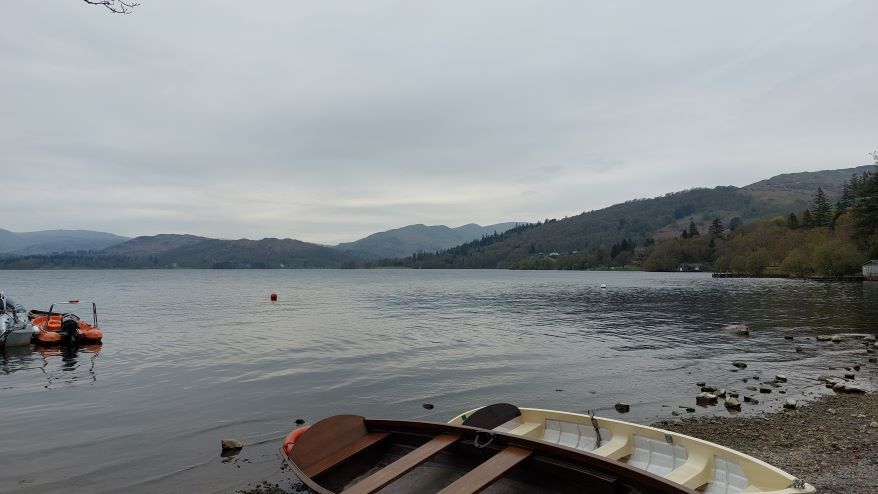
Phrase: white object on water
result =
(603, 285)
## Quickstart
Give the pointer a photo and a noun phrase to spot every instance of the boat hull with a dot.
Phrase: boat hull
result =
(685, 460)
(355, 455)
(49, 331)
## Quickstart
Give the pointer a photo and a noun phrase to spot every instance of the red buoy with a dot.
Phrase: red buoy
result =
(273, 297)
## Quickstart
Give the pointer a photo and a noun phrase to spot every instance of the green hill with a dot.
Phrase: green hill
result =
(642, 220)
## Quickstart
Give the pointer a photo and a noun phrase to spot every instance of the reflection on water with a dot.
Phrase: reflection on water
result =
(190, 357)
(60, 365)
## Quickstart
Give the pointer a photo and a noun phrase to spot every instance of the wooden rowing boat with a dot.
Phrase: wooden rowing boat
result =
(352, 455)
(684, 460)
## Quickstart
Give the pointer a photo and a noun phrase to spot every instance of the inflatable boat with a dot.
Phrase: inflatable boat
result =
(15, 329)
(65, 328)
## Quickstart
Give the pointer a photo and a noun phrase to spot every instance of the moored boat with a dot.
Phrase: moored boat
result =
(15, 329)
(684, 460)
(57, 328)
(352, 455)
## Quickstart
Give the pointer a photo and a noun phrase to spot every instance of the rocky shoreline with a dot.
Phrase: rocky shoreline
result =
(831, 442)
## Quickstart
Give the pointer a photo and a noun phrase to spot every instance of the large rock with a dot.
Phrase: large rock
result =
(705, 399)
(837, 339)
(739, 329)
(733, 404)
(848, 388)
(231, 445)
(623, 407)
(790, 403)
(780, 378)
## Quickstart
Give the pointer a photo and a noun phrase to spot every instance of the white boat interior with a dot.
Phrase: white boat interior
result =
(692, 462)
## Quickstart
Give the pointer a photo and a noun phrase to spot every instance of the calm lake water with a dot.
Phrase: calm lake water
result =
(190, 357)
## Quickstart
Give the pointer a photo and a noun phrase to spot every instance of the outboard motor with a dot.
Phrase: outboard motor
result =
(69, 328)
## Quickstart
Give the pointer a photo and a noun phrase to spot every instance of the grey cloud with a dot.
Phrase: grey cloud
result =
(329, 120)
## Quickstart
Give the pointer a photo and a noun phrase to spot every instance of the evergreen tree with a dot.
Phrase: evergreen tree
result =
(822, 210)
(807, 220)
(793, 221)
(693, 230)
(685, 234)
(865, 210)
(717, 229)
(735, 223)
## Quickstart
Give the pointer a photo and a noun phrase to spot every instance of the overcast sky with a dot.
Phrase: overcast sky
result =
(326, 121)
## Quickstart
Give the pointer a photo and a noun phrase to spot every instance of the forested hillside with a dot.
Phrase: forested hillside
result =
(596, 238)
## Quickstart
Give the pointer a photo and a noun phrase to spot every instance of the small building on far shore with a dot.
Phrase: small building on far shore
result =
(870, 270)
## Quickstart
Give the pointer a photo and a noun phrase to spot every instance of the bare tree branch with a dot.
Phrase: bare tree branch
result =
(115, 6)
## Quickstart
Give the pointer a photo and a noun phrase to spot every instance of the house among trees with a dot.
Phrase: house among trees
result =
(870, 270)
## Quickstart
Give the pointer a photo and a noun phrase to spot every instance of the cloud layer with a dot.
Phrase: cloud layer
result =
(326, 121)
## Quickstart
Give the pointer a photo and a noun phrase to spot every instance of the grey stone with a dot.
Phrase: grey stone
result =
(780, 378)
(837, 339)
(733, 404)
(765, 390)
(739, 364)
(823, 337)
(738, 329)
(850, 375)
(705, 399)
(799, 349)
(847, 388)
(789, 403)
(230, 445)
(623, 407)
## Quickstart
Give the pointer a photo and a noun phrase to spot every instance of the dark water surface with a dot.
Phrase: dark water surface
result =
(193, 356)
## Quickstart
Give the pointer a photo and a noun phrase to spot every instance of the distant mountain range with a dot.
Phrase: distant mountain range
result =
(477, 246)
(408, 240)
(191, 251)
(50, 241)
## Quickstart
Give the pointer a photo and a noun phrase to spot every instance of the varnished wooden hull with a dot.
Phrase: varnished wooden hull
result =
(354, 455)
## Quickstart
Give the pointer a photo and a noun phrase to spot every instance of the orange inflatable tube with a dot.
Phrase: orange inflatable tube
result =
(292, 437)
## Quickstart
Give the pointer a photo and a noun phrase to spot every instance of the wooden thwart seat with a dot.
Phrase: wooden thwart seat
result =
(337, 439)
(485, 474)
(400, 467)
(343, 454)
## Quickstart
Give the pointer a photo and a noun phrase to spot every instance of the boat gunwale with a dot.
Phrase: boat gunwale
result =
(631, 476)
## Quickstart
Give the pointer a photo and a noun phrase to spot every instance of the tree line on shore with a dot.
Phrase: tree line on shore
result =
(823, 240)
